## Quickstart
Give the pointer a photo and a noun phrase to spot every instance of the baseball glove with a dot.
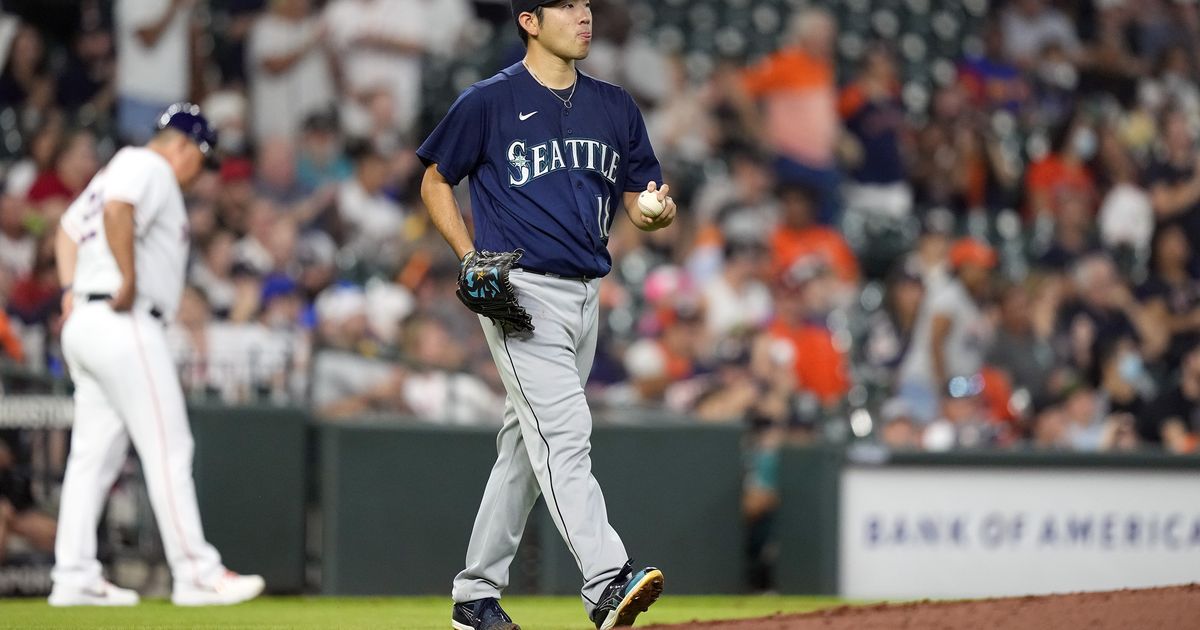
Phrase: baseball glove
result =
(484, 287)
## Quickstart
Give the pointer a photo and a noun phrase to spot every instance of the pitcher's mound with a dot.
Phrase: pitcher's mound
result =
(1171, 608)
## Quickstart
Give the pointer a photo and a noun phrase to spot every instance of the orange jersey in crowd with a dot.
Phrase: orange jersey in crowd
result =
(820, 366)
(9, 342)
(800, 104)
(1052, 174)
(789, 245)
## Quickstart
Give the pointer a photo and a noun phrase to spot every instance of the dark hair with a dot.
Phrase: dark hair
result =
(359, 149)
(538, 13)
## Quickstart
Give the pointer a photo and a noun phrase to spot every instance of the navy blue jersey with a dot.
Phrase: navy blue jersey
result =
(545, 178)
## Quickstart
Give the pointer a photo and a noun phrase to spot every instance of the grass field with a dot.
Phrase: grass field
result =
(411, 613)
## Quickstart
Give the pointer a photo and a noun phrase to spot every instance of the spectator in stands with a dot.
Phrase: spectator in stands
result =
(212, 273)
(287, 345)
(805, 294)
(890, 329)
(235, 195)
(1171, 294)
(371, 219)
(1126, 214)
(321, 160)
(800, 237)
(437, 388)
(75, 162)
(229, 55)
(42, 145)
(681, 338)
(25, 79)
(276, 181)
(11, 348)
(952, 165)
(1030, 26)
(1110, 64)
(963, 421)
(992, 81)
(348, 381)
(18, 248)
(1064, 172)
(187, 337)
(288, 69)
(952, 335)
(731, 391)
(252, 250)
(645, 364)
(737, 299)
(1103, 307)
(228, 111)
(874, 116)
(154, 44)
(1074, 233)
(378, 46)
(797, 89)
(35, 296)
(897, 429)
(18, 513)
(929, 255)
(1123, 390)
(683, 125)
(1174, 80)
(1023, 348)
(1174, 418)
(1174, 179)
(740, 206)
(85, 85)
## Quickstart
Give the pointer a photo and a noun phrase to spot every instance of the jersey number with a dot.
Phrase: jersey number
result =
(603, 215)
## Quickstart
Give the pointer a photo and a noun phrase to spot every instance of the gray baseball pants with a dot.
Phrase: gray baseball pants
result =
(544, 445)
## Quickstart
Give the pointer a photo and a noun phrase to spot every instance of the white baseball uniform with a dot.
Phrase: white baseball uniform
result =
(126, 385)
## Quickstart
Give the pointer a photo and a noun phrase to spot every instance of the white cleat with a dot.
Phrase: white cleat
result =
(101, 593)
(226, 590)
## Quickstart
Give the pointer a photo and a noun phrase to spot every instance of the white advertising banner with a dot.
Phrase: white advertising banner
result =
(910, 533)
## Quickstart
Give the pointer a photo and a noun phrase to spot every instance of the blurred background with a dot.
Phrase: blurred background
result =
(905, 226)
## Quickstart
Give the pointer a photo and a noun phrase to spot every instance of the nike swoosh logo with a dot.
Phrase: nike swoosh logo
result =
(525, 117)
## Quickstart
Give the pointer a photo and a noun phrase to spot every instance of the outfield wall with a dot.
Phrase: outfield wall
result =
(393, 506)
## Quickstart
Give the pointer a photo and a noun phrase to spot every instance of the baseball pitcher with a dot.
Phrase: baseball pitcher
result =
(122, 248)
(551, 154)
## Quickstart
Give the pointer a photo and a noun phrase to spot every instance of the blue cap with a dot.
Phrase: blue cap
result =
(187, 119)
(277, 285)
(527, 6)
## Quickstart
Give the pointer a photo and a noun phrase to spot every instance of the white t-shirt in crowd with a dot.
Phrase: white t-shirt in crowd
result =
(160, 74)
(1027, 37)
(727, 309)
(144, 179)
(281, 102)
(367, 68)
(434, 25)
(17, 255)
(966, 346)
(374, 220)
(237, 359)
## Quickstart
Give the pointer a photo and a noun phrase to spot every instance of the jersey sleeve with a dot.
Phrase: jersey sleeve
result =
(457, 144)
(643, 164)
(130, 180)
(72, 222)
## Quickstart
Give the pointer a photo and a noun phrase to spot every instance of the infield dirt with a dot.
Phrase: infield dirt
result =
(1172, 608)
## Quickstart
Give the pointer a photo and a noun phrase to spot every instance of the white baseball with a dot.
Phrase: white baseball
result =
(649, 204)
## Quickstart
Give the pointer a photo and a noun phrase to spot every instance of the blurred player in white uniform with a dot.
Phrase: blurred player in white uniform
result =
(122, 248)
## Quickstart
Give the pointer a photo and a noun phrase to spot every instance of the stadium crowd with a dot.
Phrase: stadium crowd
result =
(990, 247)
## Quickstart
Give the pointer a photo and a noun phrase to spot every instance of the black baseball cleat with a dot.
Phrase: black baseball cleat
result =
(627, 597)
(481, 614)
